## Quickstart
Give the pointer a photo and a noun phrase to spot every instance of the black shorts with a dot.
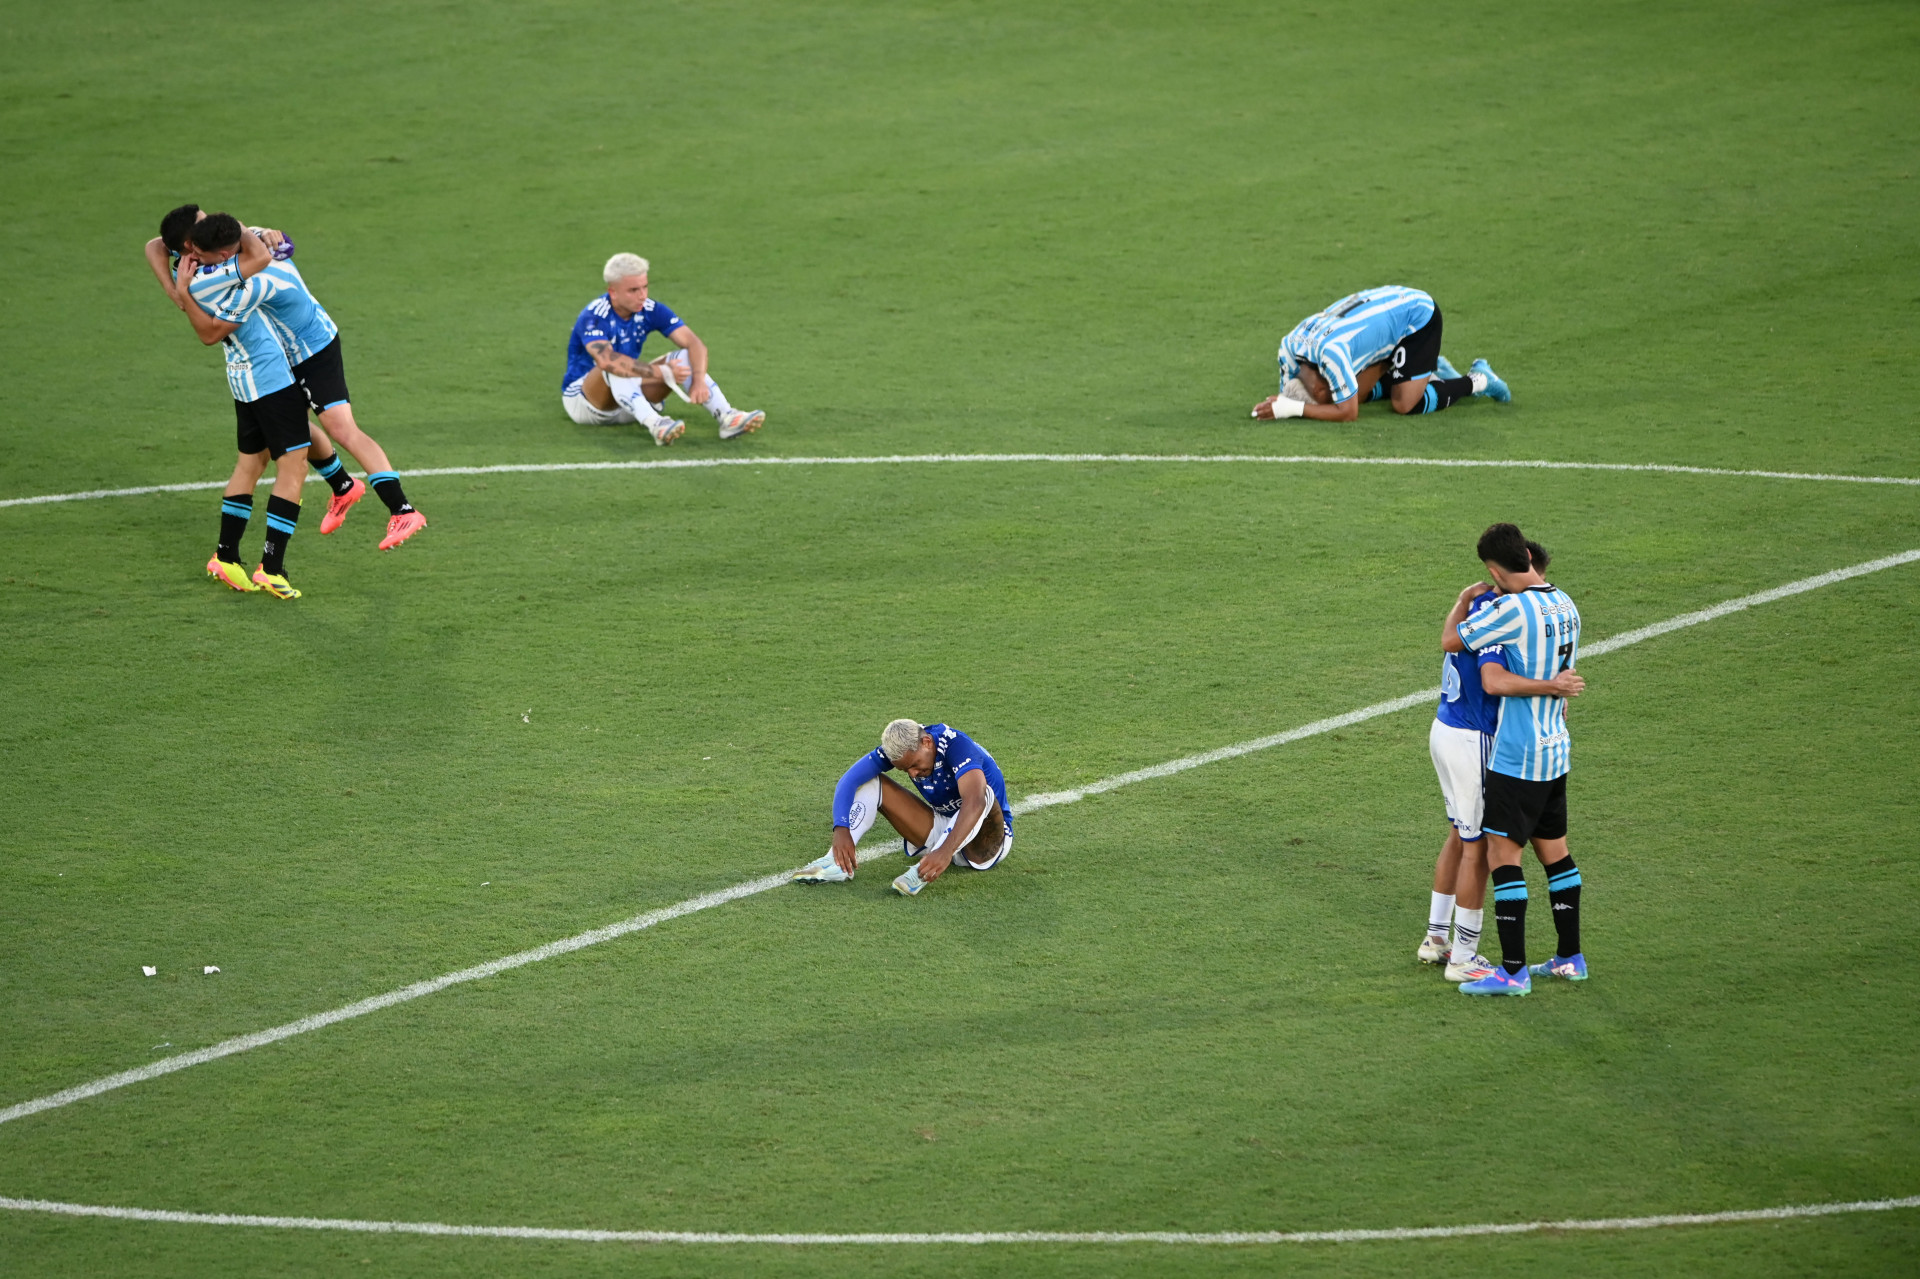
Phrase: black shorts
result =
(1418, 355)
(323, 376)
(1523, 810)
(276, 422)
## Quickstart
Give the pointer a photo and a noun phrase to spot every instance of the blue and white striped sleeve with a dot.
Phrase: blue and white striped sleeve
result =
(1498, 623)
(1336, 365)
(222, 294)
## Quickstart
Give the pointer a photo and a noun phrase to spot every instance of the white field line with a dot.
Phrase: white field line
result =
(1405, 1233)
(904, 459)
(593, 937)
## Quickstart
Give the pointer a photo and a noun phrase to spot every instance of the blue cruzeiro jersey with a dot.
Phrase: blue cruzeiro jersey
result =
(299, 323)
(1358, 330)
(1464, 702)
(599, 322)
(954, 753)
(256, 363)
(1539, 629)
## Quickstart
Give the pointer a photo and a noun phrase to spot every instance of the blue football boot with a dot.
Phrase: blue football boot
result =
(1499, 982)
(1443, 368)
(1573, 968)
(1496, 389)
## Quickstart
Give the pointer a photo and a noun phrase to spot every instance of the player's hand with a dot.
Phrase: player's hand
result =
(1263, 411)
(844, 855)
(1568, 684)
(1473, 593)
(699, 396)
(933, 865)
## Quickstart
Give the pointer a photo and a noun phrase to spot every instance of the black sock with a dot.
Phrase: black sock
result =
(1510, 915)
(282, 516)
(1443, 391)
(334, 474)
(235, 510)
(1563, 890)
(387, 485)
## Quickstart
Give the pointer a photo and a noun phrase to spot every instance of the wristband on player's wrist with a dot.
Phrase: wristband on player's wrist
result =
(1285, 408)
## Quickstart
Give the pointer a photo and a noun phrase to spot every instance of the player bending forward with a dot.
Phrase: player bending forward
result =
(964, 821)
(1538, 629)
(1378, 344)
(605, 381)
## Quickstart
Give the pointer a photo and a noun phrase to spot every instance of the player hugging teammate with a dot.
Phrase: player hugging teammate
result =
(1535, 628)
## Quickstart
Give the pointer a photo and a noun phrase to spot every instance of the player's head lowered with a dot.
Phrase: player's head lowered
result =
(1504, 549)
(1316, 385)
(215, 237)
(174, 227)
(908, 747)
(1538, 554)
(626, 277)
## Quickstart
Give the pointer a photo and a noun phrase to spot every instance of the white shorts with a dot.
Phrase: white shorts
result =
(1460, 758)
(866, 807)
(583, 411)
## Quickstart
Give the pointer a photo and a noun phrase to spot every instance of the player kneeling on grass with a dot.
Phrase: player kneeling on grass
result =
(605, 381)
(960, 818)
(1379, 344)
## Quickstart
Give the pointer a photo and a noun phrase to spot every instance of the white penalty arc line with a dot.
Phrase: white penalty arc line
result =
(593, 937)
(907, 459)
(1222, 1237)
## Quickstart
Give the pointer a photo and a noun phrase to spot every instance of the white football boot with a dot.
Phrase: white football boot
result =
(738, 422)
(667, 430)
(1434, 950)
(1473, 970)
(909, 883)
(824, 871)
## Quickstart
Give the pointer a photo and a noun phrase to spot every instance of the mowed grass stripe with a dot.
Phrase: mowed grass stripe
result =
(748, 888)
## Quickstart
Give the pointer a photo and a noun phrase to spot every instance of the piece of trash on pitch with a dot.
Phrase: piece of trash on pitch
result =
(149, 970)
(211, 969)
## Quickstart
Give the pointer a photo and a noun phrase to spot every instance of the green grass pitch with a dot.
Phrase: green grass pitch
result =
(1684, 236)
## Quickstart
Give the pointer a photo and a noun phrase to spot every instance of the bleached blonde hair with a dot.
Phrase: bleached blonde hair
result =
(900, 738)
(622, 265)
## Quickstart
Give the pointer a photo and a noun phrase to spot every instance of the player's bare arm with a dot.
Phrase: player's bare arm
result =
(157, 255)
(210, 331)
(1450, 641)
(1501, 682)
(1322, 407)
(687, 340)
(974, 798)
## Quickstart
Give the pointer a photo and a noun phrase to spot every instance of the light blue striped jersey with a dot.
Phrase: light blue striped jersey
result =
(256, 363)
(1538, 630)
(296, 317)
(1358, 330)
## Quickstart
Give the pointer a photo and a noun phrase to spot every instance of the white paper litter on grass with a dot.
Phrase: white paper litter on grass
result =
(149, 970)
(211, 969)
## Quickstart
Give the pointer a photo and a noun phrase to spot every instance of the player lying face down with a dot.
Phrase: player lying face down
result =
(1381, 343)
(958, 817)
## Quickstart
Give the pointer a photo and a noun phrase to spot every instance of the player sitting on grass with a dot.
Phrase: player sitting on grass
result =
(605, 381)
(1380, 344)
(964, 821)
(311, 341)
(1538, 630)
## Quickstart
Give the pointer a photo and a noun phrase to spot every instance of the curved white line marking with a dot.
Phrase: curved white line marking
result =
(593, 937)
(903, 459)
(963, 1237)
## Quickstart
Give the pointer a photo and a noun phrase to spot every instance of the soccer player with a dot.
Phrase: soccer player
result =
(1538, 630)
(960, 817)
(1378, 344)
(312, 343)
(269, 408)
(605, 381)
(1460, 742)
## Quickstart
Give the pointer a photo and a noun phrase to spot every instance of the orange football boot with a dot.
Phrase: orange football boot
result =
(338, 507)
(401, 527)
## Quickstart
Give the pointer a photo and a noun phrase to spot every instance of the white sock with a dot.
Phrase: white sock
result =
(1479, 381)
(1466, 934)
(716, 402)
(1438, 914)
(628, 395)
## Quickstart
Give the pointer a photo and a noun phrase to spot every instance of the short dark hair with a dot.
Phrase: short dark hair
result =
(1505, 545)
(174, 227)
(1538, 554)
(215, 231)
